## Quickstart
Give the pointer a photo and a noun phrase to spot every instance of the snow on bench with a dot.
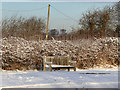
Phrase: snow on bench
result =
(59, 62)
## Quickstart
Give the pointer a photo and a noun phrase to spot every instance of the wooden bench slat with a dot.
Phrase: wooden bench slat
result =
(60, 62)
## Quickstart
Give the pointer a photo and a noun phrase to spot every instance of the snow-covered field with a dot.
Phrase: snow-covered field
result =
(61, 79)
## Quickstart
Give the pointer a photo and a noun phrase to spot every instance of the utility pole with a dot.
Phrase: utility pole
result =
(47, 21)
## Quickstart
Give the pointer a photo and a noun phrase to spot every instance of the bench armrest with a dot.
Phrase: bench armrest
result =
(48, 62)
(73, 62)
(50, 65)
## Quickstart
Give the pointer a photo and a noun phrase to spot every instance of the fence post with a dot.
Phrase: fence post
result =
(44, 63)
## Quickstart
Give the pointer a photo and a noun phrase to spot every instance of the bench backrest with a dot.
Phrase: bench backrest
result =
(57, 60)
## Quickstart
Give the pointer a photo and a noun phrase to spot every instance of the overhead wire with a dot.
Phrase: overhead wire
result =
(42, 8)
(65, 14)
(25, 10)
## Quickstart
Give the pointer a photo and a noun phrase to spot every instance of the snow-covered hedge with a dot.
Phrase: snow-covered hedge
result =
(101, 52)
(18, 53)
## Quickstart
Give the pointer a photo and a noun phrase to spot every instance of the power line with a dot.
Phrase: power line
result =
(39, 9)
(25, 10)
(65, 14)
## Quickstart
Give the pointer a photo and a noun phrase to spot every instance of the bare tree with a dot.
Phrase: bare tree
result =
(31, 28)
(100, 22)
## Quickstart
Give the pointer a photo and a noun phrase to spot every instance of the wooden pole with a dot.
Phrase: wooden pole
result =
(47, 21)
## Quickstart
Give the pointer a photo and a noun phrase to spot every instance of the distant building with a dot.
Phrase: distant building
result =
(54, 33)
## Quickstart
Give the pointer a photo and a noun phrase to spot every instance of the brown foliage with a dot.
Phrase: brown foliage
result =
(100, 23)
(30, 29)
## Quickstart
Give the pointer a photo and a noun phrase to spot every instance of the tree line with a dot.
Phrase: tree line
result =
(97, 23)
(100, 23)
(29, 28)
(94, 23)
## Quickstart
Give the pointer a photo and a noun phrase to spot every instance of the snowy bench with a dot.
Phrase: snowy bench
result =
(59, 62)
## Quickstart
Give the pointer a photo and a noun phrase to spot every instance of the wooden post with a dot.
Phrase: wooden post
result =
(67, 59)
(68, 69)
(74, 67)
(68, 62)
(44, 63)
(47, 21)
(50, 68)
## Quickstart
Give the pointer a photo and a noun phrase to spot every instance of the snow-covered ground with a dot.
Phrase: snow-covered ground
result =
(60, 79)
